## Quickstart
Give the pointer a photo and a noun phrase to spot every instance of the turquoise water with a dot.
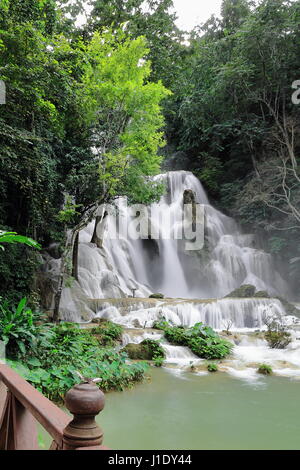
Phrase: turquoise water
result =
(214, 411)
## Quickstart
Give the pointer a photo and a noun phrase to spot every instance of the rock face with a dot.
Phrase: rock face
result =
(189, 197)
(74, 305)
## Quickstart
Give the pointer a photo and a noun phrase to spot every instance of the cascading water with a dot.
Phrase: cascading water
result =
(239, 314)
(227, 260)
(194, 282)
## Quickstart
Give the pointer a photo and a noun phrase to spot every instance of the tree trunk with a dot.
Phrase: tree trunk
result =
(71, 249)
(63, 264)
(75, 257)
(95, 238)
(57, 297)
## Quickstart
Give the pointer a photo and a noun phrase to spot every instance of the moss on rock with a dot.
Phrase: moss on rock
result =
(262, 294)
(147, 350)
(156, 296)
(244, 291)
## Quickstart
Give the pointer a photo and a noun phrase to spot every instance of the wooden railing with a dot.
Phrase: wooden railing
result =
(22, 406)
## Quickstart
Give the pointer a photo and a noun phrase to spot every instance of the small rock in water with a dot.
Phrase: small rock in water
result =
(244, 291)
(156, 296)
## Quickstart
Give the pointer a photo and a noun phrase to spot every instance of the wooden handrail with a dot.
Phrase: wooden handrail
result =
(23, 403)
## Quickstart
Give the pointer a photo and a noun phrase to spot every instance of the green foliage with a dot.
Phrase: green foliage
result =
(107, 333)
(211, 172)
(13, 237)
(148, 349)
(64, 350)
(212, 367)
(152, 19)
(160, 325)
(158, 361)
(278, 339)
(156, 351)
(17, 267)
(69, 212)
(276, 335)
(277, 244)
(232, 118)
(156, 296)
(202, 340)
(124, 110)
(244, 291)
(265, 369)
(66, 97)
(18, 328)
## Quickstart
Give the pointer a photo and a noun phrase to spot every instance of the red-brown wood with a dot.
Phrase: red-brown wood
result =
(6, 421)
(3, 392)
(24, 427)
(52, 418)
(21, 405)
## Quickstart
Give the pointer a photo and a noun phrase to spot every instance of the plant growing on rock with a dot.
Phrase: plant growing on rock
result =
(148, 349)
(276, 335)
(202, 340)
(156, 296)
(278, 339)
(107, 333)
(265, 369)
(212, 367)
(227, 325)
(244, 291)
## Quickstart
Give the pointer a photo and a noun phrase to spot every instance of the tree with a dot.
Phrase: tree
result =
(234, 13)
(125, 119)
(152, 19)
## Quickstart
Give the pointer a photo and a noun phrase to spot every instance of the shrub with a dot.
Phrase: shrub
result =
(160, 325)
(18, 327)
(265, 369)
(212, 367)
(278, 339)
(65, 349)
(158, 361)
(202, 340)
(107, 333)
(148, 349)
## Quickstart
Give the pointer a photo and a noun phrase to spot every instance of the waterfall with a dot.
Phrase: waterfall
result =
(227, 260)
(179, 355)
(124, 266)
(235, 314)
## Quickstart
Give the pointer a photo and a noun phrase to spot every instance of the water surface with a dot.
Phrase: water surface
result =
(214, 411)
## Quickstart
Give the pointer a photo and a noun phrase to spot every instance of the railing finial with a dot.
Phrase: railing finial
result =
(84, 401)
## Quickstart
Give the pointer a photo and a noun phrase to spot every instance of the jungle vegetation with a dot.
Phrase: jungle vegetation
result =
(95, 108)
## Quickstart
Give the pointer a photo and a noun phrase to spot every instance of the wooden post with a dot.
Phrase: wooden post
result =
(84, 401)
(18, 427)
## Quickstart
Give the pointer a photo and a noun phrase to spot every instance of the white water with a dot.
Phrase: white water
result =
(238, 314)
(227, 260)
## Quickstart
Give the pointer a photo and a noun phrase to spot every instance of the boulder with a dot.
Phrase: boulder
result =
(146, 350)
(244, 291)
(262, 294)
(156, 296)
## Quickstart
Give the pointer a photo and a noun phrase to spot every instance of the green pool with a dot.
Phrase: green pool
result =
(214, 411)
